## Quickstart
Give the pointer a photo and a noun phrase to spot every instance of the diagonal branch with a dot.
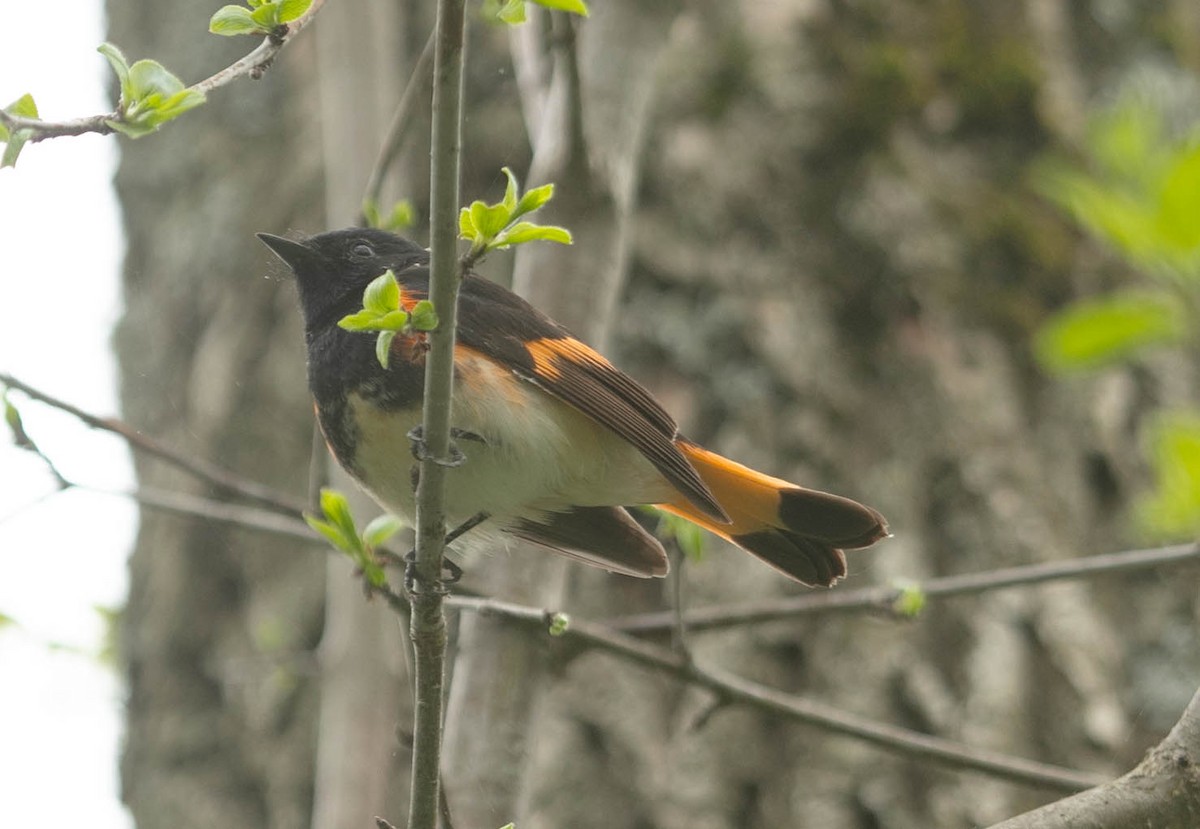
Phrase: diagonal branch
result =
(253, 65)
(206, 471)
(883, 599)
(742, 691)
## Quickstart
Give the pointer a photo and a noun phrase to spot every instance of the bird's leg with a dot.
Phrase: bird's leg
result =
(466, 526)
(453, 571)
(416, 442)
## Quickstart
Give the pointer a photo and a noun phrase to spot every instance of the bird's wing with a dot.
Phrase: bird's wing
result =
(503, 327)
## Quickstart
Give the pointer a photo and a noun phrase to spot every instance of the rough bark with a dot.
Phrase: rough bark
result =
(218, 634)
(1163, 792)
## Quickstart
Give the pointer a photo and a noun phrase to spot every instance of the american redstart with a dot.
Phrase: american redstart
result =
(557, 440)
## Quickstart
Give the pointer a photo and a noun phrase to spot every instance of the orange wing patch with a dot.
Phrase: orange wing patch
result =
(546, 353)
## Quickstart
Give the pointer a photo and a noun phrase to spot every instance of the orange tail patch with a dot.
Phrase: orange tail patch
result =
(800, 532)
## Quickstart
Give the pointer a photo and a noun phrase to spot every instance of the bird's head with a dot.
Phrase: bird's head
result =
(333, 269)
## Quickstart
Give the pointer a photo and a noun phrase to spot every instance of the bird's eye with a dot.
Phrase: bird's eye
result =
(362, 251)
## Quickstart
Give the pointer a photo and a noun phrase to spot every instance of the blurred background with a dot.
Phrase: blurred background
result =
(936, 256)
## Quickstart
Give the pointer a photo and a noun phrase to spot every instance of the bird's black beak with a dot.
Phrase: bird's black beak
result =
(294, 254)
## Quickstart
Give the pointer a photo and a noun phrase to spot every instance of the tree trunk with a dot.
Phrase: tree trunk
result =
(218, 636)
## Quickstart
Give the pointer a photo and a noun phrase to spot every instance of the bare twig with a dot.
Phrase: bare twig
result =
(882, 599)
(195, 506)
(737, 690)
(208, 472)
(253, 65)
(402, 122)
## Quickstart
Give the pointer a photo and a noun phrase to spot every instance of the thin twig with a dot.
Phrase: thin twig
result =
(738, 690)
(199, 468)
(195, 506)
(563, 28)
(253, 65)
(882, 599)
(402, 122)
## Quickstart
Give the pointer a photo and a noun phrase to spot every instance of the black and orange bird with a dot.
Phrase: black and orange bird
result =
(557, 440)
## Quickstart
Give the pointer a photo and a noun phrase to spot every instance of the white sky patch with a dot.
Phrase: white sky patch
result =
(61, 555)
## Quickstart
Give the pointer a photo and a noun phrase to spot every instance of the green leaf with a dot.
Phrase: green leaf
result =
(572, 6)
(233, 20)
(488, 220)
(910, 598)
(382, 294)
(359, 321)
(510, 191)
(512, 12)
(23, 107)
(381, 528)
(331, 533)
(423, 317)
(147, 77)
(466, 225)
(337, 510)
(534, 199)
(290, 10)
(1099, 333)
(119, 65)
(13, 146)
(1172, 510)
(383, 347)
(523, 232)
(1178, 204)
(266, 16)
(372, 571)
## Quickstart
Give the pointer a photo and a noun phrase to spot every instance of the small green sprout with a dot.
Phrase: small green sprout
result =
(338, 528)
(910, 598)
(559, 624)
(382, 312)
(495, 227)
(150, 95)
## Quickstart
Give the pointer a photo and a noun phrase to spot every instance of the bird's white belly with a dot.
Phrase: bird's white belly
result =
(537, 455)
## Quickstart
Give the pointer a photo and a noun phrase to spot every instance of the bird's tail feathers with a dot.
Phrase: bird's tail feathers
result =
(800, 532)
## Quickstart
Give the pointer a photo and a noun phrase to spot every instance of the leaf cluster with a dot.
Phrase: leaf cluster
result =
(382, 311)
(150, 95)
(338, 527)
(261, 17)
(497, 226)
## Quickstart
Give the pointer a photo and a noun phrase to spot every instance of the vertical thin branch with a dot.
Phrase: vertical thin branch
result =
(428, 625)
